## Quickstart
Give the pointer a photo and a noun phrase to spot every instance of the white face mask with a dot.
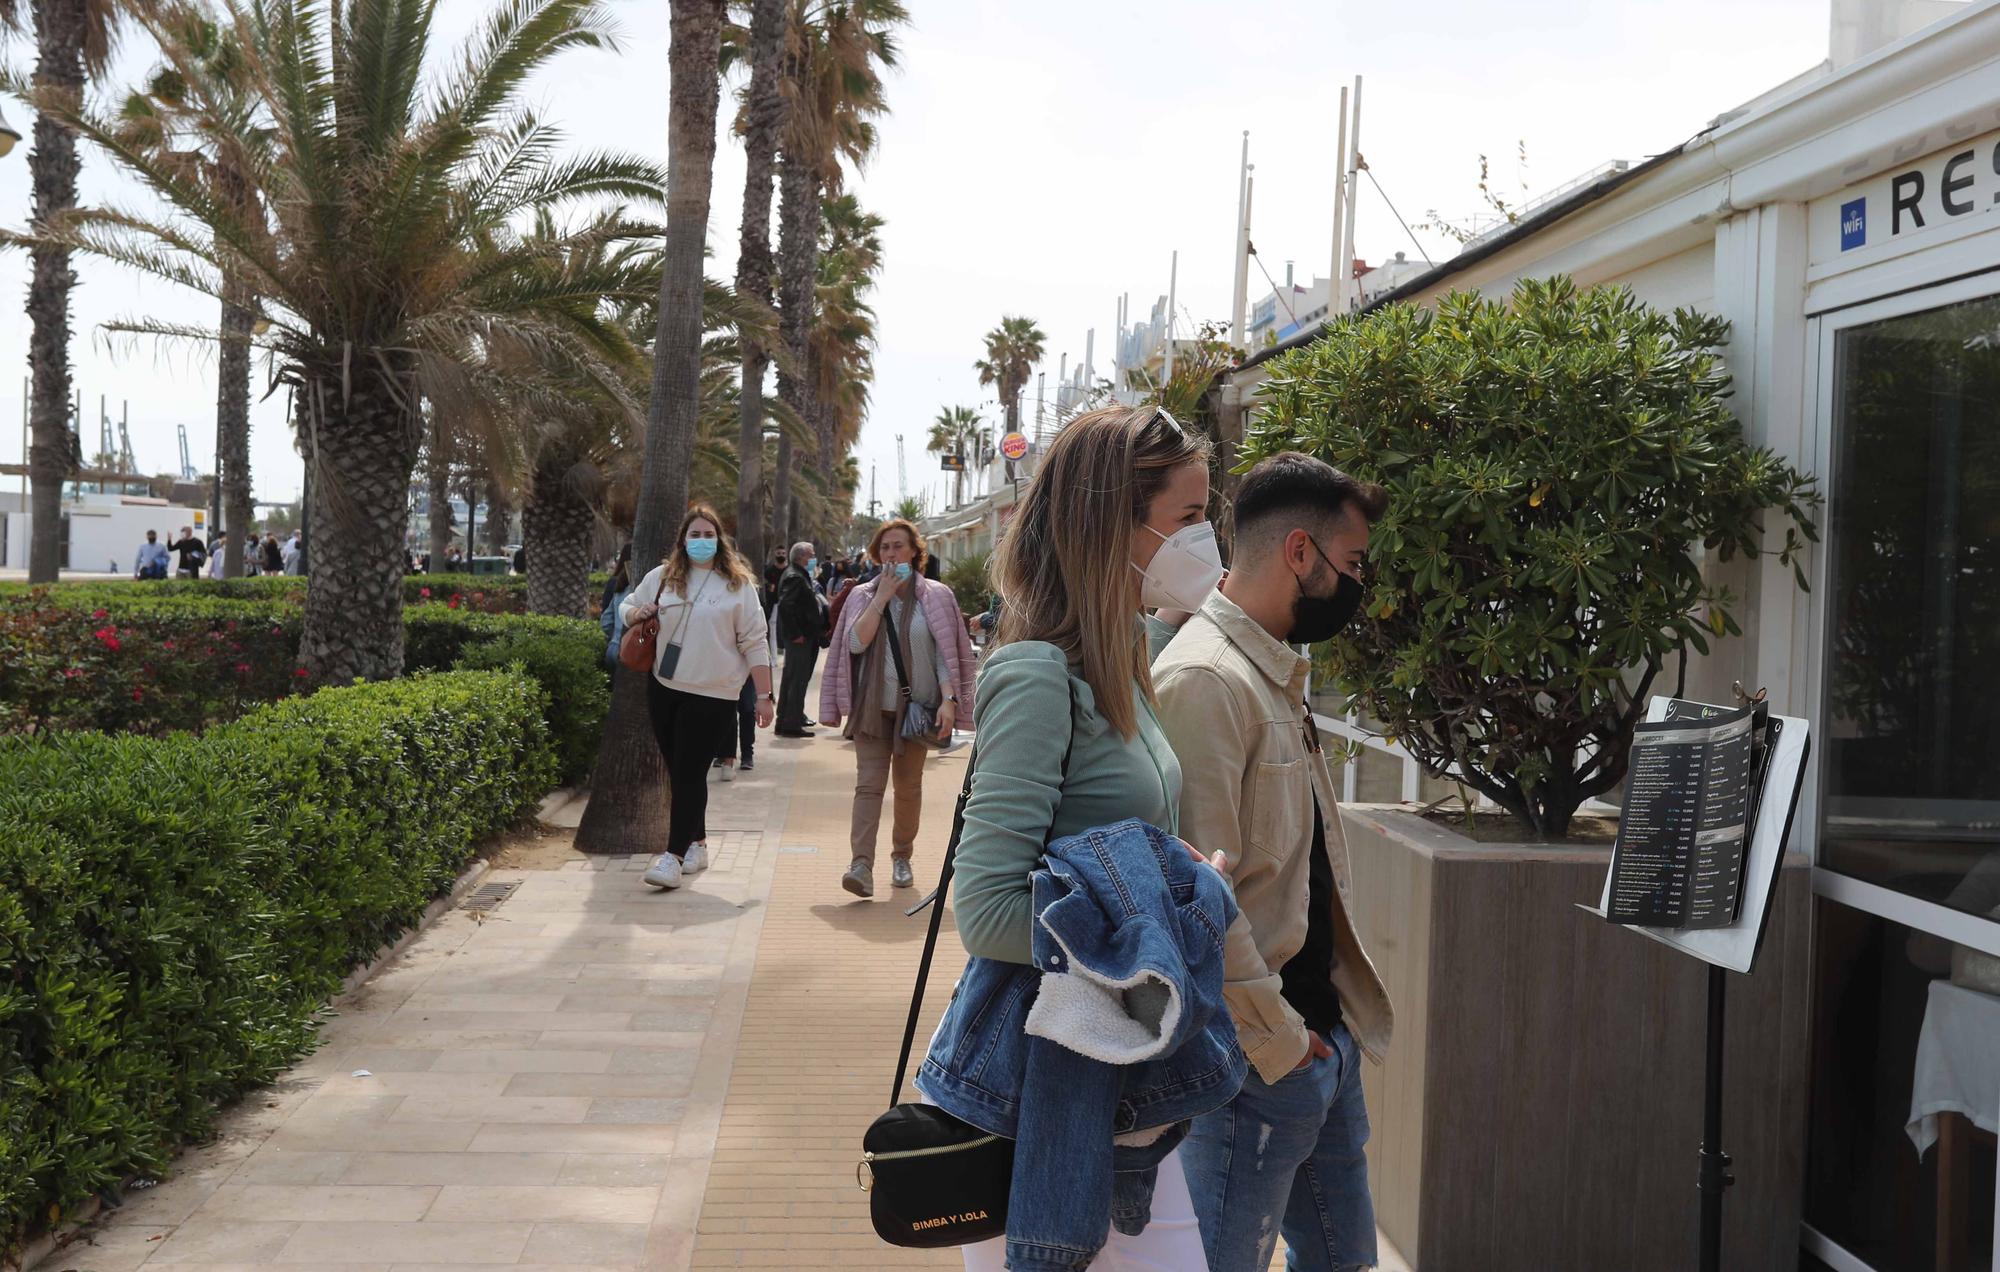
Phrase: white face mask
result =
(1184, 571)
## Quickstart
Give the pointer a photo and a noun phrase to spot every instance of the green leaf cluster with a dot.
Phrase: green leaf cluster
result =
(175, 912)
(571, 673)
(1556, 466)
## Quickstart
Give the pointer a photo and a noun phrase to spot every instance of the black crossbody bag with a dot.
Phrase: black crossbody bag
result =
(932, 1179)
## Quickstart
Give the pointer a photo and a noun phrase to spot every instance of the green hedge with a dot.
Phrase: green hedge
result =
(492, 594)
(174, 912)
(138, 659)
(570, 670)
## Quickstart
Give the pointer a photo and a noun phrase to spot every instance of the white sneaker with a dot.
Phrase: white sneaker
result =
(665, 872)
(729, 770)
(696, 859)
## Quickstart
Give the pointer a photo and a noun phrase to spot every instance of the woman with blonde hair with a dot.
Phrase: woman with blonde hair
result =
(900, 641)
(711, 637)
(1115, 523)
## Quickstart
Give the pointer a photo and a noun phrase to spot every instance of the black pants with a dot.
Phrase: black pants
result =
(743, 739)
(689, 729)
(800, 658)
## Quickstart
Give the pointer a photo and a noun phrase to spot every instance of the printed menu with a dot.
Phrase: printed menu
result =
(1691, 794)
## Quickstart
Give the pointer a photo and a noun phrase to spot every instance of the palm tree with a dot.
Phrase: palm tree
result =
(377, 186)
(841, 345)
(72, 39)
(626, 812)
(158, 119)
(1012, 350)
(908, 508)
(834, 52)
(957, 431)
(760, 121)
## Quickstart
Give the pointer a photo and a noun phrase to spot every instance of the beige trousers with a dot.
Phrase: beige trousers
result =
(874, 762)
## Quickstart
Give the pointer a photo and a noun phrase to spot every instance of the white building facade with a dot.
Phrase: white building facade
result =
(1848, 226)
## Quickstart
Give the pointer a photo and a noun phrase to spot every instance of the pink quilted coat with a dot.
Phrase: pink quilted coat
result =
(955, 662)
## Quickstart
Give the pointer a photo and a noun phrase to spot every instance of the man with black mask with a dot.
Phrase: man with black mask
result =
(1286, 1155)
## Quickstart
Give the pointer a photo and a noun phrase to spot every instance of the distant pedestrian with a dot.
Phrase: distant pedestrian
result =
(615, 590)
(711, 636)
(294, 554)
(802, 624)
(274, 556)
(193, 553)
(215, 554)
(901, 643)
(152, 559)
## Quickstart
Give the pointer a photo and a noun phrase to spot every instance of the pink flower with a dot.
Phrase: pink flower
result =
(71, 673)
(235, 648)
(100, 614)
(166, 644)
(137, 693)
(479, 596)
(301, 672)
(109, 635)
(452, 603)
(424, 592)
(243, 669)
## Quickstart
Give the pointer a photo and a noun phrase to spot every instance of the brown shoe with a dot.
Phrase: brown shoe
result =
(859, 879)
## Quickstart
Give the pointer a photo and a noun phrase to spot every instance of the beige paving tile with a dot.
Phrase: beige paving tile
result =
(406, 1242)
(428, 1083)
(391, 1059)
(510, 1021)
(316, 1201)
(568, 1060)
(222, 1241)
(615, 1085)
(445, 994)
(610, 1243)
(407, 1137)
(636, 1110)
(619, 1169)
(595, 1040)
(452, 1168)
(522, 1108)
(528, 1137)
(581, 1204)
(278, 1166)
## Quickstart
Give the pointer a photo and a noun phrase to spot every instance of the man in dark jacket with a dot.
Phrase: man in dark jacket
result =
(193, 553)
(802, 625)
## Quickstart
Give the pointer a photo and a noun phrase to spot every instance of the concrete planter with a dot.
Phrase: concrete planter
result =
(1541, 1105)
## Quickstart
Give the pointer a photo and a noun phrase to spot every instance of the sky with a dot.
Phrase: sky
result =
(1042, 157)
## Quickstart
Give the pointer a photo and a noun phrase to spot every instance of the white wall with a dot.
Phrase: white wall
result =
(101, 533)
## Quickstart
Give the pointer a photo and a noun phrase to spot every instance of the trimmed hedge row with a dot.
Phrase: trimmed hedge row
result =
(125, 658)
(174, 912)
(494, 594)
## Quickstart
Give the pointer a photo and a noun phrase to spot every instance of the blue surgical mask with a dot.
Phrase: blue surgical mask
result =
(702, 550)
(812, 565)
(902, 569)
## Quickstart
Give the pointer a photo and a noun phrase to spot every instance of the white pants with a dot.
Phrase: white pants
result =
(1170, 1243)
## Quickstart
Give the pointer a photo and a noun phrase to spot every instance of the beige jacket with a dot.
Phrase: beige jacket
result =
(1232, 702)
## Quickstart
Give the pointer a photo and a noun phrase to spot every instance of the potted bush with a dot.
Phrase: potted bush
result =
(1553, 463)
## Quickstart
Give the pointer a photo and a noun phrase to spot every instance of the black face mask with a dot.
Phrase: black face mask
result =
(1318, 618)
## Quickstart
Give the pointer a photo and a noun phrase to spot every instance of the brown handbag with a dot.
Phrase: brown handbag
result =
(638, 648)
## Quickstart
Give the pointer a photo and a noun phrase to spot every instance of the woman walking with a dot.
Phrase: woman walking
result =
(711, 637)
(1115, 523)
(899, 641)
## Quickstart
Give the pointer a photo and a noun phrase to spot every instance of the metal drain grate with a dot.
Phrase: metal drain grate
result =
(488, 895)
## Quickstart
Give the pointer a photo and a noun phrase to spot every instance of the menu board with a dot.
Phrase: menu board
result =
(1691, 794)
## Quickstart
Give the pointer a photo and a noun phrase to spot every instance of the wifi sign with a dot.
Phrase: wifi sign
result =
(1853, 224)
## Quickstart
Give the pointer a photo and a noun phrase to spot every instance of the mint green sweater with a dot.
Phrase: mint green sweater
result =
(1020, 801)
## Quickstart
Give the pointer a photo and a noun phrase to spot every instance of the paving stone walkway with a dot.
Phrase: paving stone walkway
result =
(590, 1075)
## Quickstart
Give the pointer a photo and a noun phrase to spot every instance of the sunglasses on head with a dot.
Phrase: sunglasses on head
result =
(1171, 425)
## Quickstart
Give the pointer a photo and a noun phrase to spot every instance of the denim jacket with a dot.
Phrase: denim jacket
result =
(1118, 1027)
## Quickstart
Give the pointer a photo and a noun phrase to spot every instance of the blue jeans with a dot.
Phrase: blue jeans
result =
(1287, 1157)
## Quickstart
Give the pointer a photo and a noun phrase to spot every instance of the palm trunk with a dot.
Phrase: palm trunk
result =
(232, 420)
(627, 808)
(781, 491)
(555, 531)
(499, 519)
(53, 167)
(798, 271)
(437, 477)
(765, 116)
(359, 454)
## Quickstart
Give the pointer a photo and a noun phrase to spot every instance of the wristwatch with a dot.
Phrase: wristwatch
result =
(771, 698)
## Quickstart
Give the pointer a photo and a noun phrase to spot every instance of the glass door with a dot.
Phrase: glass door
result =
(1905, 1100)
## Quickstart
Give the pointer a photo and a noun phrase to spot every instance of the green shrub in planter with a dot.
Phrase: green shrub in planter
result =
(1553, 463)
(570, 671)
(970, 580)
(174, 912)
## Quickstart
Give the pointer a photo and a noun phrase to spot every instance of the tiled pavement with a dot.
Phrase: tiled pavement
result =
(596, 1076)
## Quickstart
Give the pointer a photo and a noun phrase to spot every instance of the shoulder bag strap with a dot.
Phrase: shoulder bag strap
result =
(936, 900)
(896, 653)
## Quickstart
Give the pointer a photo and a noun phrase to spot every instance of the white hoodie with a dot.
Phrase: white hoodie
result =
(719, 627)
